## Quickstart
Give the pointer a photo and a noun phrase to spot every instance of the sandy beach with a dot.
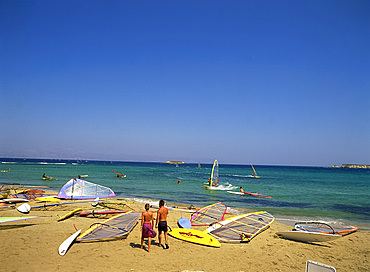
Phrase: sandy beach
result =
(32, 245)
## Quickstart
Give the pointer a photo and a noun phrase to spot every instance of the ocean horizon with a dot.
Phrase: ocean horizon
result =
(337, 195)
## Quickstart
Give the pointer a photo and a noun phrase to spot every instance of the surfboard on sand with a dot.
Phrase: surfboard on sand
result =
(305, 236)
(69, 214)
(13, 200)
(63, 248)
(194, 236)
(48, 199)
(184, 223)
(101, 212)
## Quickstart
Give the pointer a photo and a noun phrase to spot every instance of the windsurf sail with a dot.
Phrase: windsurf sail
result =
(115, 227)
(208, 215)
(241, 228)
(214, 174)
(322, 227)
(254, 172)
(82, 189)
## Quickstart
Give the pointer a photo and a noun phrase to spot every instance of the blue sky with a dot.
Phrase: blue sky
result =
(272, 82)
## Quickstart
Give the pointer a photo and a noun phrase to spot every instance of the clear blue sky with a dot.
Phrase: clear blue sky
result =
(272, 82)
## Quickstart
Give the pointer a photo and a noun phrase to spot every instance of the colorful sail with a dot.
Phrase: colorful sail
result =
(208, 215)
(82, 189)
(241, 228)
(115, 227)
(214, 174)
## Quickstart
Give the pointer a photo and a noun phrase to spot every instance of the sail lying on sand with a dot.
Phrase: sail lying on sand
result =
(82, 189)
(241, 228)
(322, 227)
(208, 215)
(115, 227)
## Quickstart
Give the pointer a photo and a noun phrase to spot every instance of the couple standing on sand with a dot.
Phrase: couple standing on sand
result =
(147, 220)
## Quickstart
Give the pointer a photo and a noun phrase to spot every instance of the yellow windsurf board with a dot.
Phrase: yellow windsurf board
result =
(194, 236)
(70, 214)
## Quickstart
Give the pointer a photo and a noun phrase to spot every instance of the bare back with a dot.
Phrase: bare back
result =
(162, 214)
(147, 217)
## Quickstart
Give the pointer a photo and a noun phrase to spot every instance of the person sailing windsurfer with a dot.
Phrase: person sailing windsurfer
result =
(147, 220)
(241, 190)
(209, 181)
(161, 223)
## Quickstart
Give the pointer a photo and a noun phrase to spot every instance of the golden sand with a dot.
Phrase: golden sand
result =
(32, 245)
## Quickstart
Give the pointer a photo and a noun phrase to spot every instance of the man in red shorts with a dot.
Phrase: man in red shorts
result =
(147, 220)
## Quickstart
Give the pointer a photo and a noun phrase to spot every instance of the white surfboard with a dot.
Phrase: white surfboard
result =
(235, 193)
(305, 236)
(24, 208)
(63, 248)
(14, 200)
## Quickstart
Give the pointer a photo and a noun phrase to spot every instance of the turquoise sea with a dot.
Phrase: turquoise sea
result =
(338, 195)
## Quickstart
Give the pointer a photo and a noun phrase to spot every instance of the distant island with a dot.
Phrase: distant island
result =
(362, 166)
(174, 162)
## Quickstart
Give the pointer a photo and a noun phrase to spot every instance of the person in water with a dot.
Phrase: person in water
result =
(241, 189)
(147, 221)
(44, 176)
(161, 223)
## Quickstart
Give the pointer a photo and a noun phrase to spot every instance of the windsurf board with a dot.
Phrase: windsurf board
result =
(248, 193)
(13, 200)
(305, 236)
(69, 214)
(63, 248)
(194, 236)
(101, 212)
(48, 199)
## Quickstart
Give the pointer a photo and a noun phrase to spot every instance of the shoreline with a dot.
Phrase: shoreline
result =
(36, 242)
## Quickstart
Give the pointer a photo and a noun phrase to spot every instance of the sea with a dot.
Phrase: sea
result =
(333, 195)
